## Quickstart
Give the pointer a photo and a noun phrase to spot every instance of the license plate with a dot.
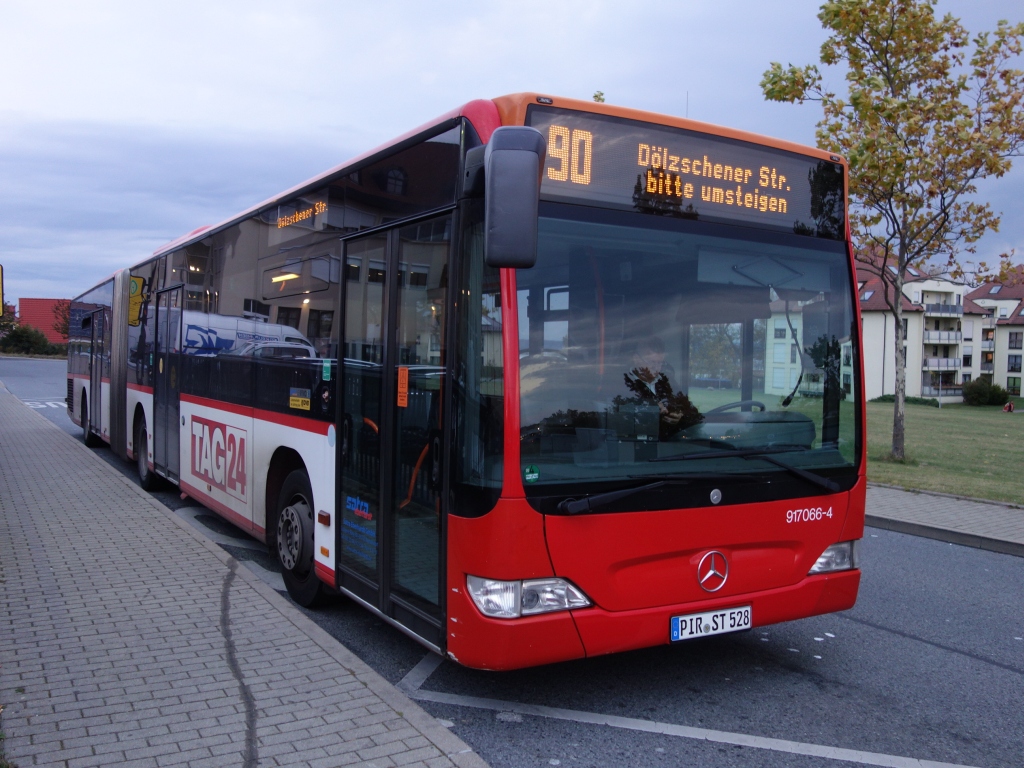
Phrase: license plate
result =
(710, 623)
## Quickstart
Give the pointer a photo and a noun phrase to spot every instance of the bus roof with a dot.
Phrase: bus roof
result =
(486, 115)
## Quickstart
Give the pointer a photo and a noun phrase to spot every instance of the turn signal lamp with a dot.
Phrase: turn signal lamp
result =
(512, 599)
(838, 557)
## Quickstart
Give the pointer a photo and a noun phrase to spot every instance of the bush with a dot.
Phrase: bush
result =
(909, 401)
(25, 340)
(980, 392)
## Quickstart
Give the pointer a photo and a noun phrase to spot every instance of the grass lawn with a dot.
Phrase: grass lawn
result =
(960, 449)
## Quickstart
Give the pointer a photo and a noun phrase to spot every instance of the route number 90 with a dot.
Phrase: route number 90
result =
(809, 515)
(573, 151)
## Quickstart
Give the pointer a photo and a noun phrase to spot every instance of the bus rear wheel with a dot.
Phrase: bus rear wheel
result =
(90, 439)
(294, 540)
(147, 477)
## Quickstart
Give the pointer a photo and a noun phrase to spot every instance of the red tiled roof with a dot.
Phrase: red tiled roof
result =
(970, 308)
(872, 297)
(1007, 291)
(40, 314)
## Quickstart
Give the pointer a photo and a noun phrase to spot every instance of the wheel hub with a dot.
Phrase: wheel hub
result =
(291, 535)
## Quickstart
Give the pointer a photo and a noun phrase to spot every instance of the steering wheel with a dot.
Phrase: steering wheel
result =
(737, 404)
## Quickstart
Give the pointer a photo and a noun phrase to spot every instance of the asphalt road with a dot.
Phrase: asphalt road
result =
(929, 666)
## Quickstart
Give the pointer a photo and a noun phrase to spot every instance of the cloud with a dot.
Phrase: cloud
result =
(83, 199)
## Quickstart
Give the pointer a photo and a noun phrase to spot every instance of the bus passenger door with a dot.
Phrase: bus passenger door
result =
(392, 438)
(96, 351)
(166, 384)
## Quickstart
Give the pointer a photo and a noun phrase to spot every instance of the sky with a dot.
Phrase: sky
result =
(124, 125)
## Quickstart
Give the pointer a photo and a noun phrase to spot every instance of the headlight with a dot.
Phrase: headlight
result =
(838, 557)
(512, 599)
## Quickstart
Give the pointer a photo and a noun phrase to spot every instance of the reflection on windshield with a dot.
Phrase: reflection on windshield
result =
(638, 345)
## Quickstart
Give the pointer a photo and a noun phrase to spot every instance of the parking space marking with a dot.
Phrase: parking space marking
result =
(412, 682)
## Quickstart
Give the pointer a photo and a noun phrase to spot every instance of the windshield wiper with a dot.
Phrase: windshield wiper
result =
(588, 503)
(810, 477)
(729, 450)
(766, 455)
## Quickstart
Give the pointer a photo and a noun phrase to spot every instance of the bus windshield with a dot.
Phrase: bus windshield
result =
(654, 347)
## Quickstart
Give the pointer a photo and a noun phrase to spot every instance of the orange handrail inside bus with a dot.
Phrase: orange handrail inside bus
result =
(415, 474)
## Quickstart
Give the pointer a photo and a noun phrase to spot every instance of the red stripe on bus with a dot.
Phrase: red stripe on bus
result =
(325, 574)
(221, 509)
(219, 405)
(140, 388)
(295, 422)
(284, 419)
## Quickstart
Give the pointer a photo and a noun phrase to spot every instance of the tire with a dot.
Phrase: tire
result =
(90, 440)
(147, 477)
(292, 540)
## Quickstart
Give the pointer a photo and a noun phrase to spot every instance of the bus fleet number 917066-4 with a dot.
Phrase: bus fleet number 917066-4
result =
(808, 515)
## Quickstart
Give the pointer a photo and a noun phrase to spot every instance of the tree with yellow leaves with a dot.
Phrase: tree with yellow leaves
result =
(929, 112)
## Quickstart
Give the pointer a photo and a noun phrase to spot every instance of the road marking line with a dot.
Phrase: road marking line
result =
(669, 729)
(418, 675)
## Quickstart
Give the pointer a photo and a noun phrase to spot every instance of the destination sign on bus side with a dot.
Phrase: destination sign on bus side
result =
(617, 163)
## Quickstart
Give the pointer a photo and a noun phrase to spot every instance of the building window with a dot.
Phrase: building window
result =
(289, 316)
(847, 356)
(904, 329)
(779, 353)
(968, 327)
(1016, 339)
(792, 354)
(847, 383)
(968, 361)
(967, 378)
(1013, 385)
(1013, 363)
(778, 378)
(780, 333)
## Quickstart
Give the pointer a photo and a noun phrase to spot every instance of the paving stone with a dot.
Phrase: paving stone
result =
(128, 665)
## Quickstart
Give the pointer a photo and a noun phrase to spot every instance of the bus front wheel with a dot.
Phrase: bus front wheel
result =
(294, 540)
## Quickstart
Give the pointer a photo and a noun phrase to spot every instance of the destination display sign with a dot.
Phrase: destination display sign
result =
(617, 163)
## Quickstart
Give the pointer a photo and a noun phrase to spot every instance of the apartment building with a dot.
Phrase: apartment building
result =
(943, 335)
(1002, 333)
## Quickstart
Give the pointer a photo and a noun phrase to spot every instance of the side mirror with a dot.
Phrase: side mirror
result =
(513, 162)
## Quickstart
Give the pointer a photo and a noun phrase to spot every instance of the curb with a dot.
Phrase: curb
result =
(946, 495)
(946, 535)
(447, 742)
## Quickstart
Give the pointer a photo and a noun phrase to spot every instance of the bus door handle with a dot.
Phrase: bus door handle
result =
(346, 437)
(435, 461)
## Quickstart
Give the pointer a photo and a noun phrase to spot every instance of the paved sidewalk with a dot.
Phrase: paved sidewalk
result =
(970, 522)
(128, 639)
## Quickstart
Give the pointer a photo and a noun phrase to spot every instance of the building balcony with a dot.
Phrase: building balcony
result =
(988, 367)
(945, 391)
(946, 310)
(940, 364)
(989, 322)
(942, 337)
(988, 346)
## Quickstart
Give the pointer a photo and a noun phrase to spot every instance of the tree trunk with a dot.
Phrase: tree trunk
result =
(899, 410)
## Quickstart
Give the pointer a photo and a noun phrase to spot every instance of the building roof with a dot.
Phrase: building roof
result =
(872, 296)
(1016, 317)
(998, 291)
(970, 308)
(41, 315)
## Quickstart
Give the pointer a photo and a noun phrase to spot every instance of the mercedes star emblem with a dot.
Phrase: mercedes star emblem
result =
(712, 571)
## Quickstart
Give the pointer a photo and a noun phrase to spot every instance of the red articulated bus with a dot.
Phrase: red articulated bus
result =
(543, 379)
